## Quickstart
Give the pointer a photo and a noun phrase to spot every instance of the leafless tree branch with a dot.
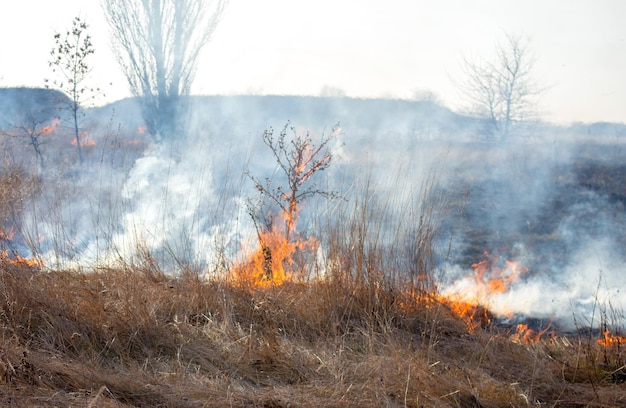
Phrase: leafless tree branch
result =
(158, 43)
(503, 89)
(298, 159)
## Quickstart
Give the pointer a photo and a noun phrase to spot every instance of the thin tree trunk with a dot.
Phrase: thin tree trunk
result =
(77, 133)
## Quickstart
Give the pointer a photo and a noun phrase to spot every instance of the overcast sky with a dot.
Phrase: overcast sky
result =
(366, 48)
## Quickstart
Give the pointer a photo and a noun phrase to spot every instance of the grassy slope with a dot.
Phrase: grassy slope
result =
(135, 337)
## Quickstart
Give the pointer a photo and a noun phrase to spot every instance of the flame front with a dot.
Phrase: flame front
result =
(489, 278)
(525, 335)
(7, 235)
(271, 264)
(49, 129)
(85, 140)
(610, 340)
(18, 260)
(470, 297)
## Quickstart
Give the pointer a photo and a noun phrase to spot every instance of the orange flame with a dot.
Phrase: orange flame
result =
(473, 314)
(271, 263)
(6, 236)
(46, 130)
(497, 280)
(525, 335)
(491, 279)
(472, 304)
(84, 140)
(471, 301)
(18, 260)
(611, 340)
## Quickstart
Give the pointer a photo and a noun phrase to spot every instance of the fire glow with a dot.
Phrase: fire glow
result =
(490, 277)
(49, 129)
(471, 297)
(609, 340)
(271, 264)
(525, 335)
(15, 259)
(18, 260)
(85, 140)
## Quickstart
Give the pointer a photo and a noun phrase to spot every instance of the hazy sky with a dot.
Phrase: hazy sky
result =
(366, 48)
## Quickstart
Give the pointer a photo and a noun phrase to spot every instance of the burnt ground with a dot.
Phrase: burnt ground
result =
(505, 202)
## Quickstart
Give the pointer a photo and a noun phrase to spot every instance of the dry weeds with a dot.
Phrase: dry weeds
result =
(115, 338)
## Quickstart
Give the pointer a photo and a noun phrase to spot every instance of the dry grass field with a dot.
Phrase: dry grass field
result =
(136, 337)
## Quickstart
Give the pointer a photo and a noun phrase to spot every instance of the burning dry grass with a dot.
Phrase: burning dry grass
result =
(116, 338)
(369, 330)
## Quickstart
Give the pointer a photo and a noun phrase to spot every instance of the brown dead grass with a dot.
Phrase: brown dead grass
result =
(117, 338)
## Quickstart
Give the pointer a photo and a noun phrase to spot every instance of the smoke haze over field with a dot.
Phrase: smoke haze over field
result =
(552, 198)
(532, 206)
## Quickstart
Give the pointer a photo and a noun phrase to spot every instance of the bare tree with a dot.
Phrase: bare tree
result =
(34, 134)
(298, 159)
(502, 89)
(68, 60)
(157, 44)
(34, 129)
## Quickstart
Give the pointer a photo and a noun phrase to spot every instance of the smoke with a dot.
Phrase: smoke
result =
(587, 287)
(585, 291)
(176, 207)
(551, 200)
(168, 197)
(556, 210)
(133, 197)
